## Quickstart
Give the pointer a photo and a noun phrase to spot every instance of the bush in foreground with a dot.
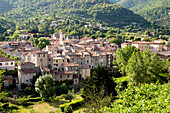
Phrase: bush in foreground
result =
(74, 104)
(44, 85)
(144, 98)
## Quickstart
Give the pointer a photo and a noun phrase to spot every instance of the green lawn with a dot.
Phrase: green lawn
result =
(42, 107)
(46, 107)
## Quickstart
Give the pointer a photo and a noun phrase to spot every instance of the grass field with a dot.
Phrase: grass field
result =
(42, 107)
(45, 107)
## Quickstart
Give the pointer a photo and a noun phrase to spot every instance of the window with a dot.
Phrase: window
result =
(0, 64)
(60, 76)
(43, 55)
(12, 63)
(6, 63)
(49, 59)
(38, 55)
(85, 70)
(63, 60)
(33, 55)
(41, 60)
(68, 76)
(56, 60)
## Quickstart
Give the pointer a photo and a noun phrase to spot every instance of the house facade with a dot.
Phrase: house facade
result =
(7, 64)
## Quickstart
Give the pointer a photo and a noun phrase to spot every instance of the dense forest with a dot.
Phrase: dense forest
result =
(155, 11)
(94, 10)
(5, 24)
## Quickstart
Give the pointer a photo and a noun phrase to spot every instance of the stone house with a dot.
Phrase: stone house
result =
(7, 64)
(39, 58)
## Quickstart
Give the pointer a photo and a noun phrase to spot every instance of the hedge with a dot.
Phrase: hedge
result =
(36, 99)
(73, 104)
(26, 101)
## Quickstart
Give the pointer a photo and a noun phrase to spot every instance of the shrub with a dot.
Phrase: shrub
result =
(70, 95)
(36, 99)
(22, 101)
(3, 97)
(73, 104)
(68, 109)
(147, 98)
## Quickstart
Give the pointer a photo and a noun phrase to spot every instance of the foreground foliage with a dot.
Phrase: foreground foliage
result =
(45, 86)
(144, 98)
(101, 78)
(143, 67)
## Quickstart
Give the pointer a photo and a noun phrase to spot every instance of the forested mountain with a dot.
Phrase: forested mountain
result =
(152, 10)
(93, 10)
(5, 24)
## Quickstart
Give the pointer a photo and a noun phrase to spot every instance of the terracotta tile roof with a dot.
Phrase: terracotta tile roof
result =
(9, 49)
(44, 68)
(86, 38)
(38, 52)
(103, 54)
(3, 59)
(86, 53)
(75, 56)
(164, 53)
(27, 71)
(160, 40)
(124, 43)
(143, 42)
(62, 73)
(95, 55)
(106, 42)
(73, 64)
(83, 43)
(24, 62)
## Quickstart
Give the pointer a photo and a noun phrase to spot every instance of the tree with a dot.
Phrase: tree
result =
(123, 55)
(97, 101)
(44, 85)
(115, 40)
(70, 95)
(42, 42)
(168, 44)
(100, 77)
(143, 67)
(1, 77)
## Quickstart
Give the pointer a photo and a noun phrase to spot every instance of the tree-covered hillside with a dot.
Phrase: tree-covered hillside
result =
(5, 24)
(152, 10)
(93, 10)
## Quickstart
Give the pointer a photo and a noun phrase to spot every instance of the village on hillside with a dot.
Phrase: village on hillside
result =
(66, 58)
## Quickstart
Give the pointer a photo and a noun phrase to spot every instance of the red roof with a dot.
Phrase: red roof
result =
(124, 43)
(62, 73)
(3, 59)
(86, 38)
(143, 42)
(73, 64)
